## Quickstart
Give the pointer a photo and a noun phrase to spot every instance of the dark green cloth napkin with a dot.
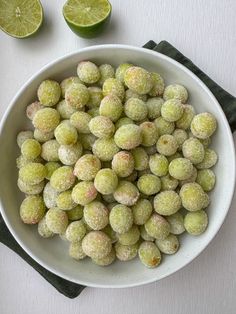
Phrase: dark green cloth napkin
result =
(228, 103)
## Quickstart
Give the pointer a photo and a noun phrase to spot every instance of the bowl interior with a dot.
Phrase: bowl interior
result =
(53, 253)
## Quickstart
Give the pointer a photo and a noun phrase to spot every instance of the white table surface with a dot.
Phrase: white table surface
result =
(205, 32)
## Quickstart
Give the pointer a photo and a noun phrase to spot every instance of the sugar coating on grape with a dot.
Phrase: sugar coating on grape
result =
(32, 209)
(23, 136)
(88, 72)
(65, 133)
(185, 121)
(106, 71)
(176, 222)
(21, 161)
(149, 133)
(56, 220)
(32, 173)
(43, 137)
(50, 196)
(76, 250)
(96, 244)
(120, 71)
(106, 181)
(51, 166)
(29, 188)
(174, 156)
(105, 148)
(126, 252)
(168, 183)
(196, 222)
(32, 109)
(193, 150)
(121, 218)
(75, 213)
(176, 91)
(206, 178)
(157, 227)
(87, 167)
(181, 136)
(31, 149)
(102, 127)
(192, 178)
(62, 179)
(172, 110)
(75, 231)
(135, 109)
(144, 235)
(93, 112)
(158, 85)
(169, 245)
(43, 230)
(49, 93)
(209, 160)
(141, 211)
(158, 165)
(181, 168)
(84, 192)
(46, 119)
(149, 184)
(126, 193)
(167, 203)
(123, 163)
(138, 80)
(128, 136)
(163, 126)
(77, 96)
(95, 97)
(110, 232)
(154, 105)
(64, 200)
(65, 110)
(111, 107)
(129, 237)
(193, 197)
(96, 215)
(106, 260)
(87, 140)
(69, 154)
(113, 86)
(149, 254)
(50, 150)
(129, 93)
(203, 125)
(140, 158)
(123, 121)
(67, 82)
(80, 120)
(167, 145)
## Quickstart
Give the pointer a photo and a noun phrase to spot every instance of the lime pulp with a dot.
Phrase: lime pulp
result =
(87, 18)
(20, 18)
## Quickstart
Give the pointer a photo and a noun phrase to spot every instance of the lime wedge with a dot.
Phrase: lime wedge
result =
(20, 18)
(87, 18)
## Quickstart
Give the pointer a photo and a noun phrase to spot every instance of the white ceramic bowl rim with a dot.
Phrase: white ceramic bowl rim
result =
(199, 82)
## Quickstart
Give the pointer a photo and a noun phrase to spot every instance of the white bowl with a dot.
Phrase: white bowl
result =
(53, 253)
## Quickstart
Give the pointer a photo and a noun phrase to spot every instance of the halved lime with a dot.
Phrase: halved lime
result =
(20, 18)
(87, 18)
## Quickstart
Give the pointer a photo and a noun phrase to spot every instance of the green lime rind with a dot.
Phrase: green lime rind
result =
(21, 19)
(87, 26)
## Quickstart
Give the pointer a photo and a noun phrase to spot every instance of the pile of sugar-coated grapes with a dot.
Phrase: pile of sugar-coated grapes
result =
(117, 164)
